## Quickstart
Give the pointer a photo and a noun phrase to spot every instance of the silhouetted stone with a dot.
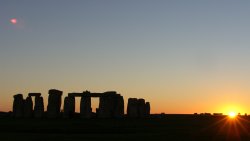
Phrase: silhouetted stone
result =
(85, 107)
(54, 103)
(28, 107)
(137, 108)
(18, 106)
(66, 107)
(147, 106)
(76, 94)
(111, 105)
(119, 107)
(34, 94)
(69, 106)
(39, 107)
(141, 108)
(104, 107)
(132, 108)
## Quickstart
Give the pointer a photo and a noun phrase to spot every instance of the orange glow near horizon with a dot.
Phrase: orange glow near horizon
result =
(234, 109)
(155, 109)
(232, 114)
(157, 106)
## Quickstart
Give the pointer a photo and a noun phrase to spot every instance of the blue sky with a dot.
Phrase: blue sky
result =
(182, 56)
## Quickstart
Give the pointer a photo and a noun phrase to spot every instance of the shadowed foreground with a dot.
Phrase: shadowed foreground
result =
(173, 127)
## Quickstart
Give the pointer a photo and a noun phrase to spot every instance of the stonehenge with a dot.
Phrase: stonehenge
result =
(28, 107)
(18, 106)
(54, 103)
(39, 107)
(111, 105)
(147, 106)
(24, 107)
(85, 107)
(69, 107)
(138, 108)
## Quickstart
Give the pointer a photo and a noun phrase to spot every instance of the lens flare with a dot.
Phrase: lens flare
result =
(13, 21)
(232, 114)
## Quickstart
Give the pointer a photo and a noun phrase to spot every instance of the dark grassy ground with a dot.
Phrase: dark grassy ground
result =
(173, 127)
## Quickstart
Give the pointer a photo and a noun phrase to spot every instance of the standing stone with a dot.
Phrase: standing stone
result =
(18, 106)
(66, 107)
(110, 104)
(85, 107)
(147, 107)
(39, 107)
(138, 108)
(141, 108)
(132, 108)
(28, 107)
(101, 109)
(69, 106)
(119, 107)
(54, 103)
(105, 105)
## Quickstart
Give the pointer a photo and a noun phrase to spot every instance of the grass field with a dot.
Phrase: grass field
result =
(173, 127)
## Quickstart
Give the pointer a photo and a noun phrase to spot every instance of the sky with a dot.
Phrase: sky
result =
(181, 56)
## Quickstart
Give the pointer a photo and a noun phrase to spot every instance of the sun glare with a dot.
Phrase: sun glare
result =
(232, 114)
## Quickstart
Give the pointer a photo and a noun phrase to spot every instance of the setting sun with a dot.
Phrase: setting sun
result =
(232, 114)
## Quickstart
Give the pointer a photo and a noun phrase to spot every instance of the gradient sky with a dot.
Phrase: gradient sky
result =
(182, 56)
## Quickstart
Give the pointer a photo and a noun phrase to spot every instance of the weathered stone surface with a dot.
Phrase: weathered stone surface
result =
(132, 108)
(39, 107)
(54, 103)
(18, 106)
(147, 106)
(69, 106)
(28, 107)
(85, 107)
